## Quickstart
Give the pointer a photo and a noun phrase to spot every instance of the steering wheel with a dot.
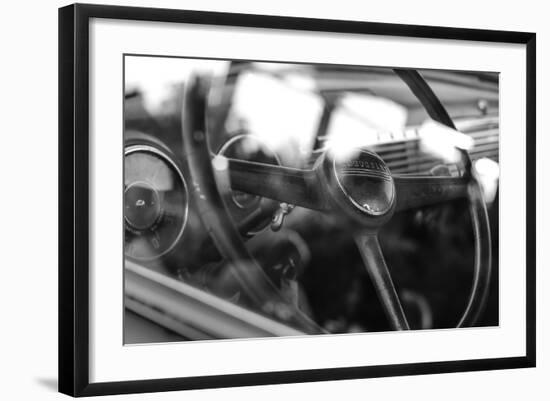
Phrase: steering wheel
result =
(359, 188)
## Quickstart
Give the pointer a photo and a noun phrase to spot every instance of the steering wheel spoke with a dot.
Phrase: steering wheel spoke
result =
(372, 256)
(417, 191)
(285, 184)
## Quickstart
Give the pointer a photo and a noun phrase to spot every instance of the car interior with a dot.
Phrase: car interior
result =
(283, 199)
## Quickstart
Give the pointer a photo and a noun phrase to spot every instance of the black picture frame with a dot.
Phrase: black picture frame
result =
(74, 198)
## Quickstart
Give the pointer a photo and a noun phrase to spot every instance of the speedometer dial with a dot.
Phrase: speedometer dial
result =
(155, 202)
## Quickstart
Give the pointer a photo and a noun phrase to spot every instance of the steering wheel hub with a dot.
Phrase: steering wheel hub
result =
(361, 186)
(365, 181)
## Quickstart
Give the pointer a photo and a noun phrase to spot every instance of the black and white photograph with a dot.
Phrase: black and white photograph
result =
(280, 199)
(250, 200)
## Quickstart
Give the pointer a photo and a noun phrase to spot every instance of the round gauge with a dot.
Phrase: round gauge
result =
(155, 203)
(247, 147)
(250, 148)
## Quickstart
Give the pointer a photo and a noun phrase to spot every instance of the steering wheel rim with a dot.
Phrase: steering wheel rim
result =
(216, 218)
(252, 278)
(478, 210)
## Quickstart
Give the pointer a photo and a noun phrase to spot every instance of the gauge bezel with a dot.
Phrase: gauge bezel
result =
(221, 152)
(233, 140)
(135, 148)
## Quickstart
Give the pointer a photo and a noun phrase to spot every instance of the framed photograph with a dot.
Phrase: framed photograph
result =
(251, 199)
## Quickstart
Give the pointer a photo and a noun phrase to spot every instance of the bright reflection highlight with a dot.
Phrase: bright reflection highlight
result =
(345, 146)
(220, 163)
(442, 141)
(488, 172)
(301, 82)
(382, 114)
(361, 121)
(281, 116)
(157, 81)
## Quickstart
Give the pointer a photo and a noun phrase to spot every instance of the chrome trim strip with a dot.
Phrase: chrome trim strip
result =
(188, 310)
